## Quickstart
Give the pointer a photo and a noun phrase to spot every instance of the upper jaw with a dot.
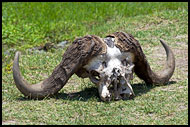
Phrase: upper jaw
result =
(117, 92)
(114, 84)
(117, 86)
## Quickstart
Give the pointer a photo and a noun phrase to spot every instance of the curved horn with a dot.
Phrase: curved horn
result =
(74, 57)
(143, 70)
(127, 43)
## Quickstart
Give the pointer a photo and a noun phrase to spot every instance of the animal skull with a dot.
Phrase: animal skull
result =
(108, 62)
(114, 68)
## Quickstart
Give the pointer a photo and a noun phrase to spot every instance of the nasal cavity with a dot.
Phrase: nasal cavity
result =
(116, 71)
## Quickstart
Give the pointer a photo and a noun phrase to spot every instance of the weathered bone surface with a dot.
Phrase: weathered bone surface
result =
(109, 63)
(112, 65)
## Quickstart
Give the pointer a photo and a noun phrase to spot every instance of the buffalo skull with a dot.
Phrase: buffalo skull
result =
(109, 63)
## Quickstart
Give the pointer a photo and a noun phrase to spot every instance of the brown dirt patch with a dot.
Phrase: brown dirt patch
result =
(8, 122)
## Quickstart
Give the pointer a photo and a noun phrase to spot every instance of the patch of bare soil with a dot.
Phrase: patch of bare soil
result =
(8, 122)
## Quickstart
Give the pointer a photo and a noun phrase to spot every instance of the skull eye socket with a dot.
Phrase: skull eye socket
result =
(95, 75)
(104, 64)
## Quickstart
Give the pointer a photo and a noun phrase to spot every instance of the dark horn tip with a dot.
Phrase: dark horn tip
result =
(162, 41)
(164, 45)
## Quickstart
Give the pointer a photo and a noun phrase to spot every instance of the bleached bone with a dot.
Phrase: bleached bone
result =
(109, 64)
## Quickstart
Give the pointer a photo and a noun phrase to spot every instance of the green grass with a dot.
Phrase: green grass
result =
(29, 24)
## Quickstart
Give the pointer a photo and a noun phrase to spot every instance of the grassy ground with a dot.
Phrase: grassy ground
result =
(78, 101)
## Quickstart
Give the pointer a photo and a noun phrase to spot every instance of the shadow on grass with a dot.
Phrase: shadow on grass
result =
(83, 95)
(88, 93)
(92, 92)
(142, 88)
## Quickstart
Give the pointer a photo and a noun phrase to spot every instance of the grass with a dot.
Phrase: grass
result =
(30, 24)
(78, 102)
